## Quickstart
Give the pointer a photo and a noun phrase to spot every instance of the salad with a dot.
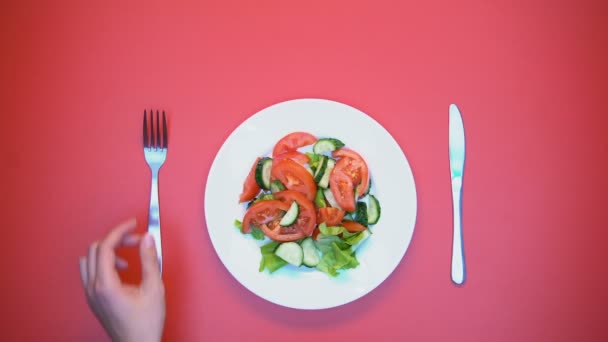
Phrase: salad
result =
(314, 207)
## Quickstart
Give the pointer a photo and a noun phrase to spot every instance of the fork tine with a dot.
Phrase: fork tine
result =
(145, 129)
(152, 129)
(158, 146)
(164, 131)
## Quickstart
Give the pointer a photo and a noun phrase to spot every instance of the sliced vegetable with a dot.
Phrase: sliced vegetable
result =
(356, 240)
(329, 195)
(291, 215)
(311, 254)
(342, 188)
(324, 182)
(270, 260)
(327, 145)
(361, 213)
(353, 226)
(295, 177)
(290, 252)
(296, 156)
(276, 186)
(307, 219)
(363, 169)
(293, 141)
(373, 210)
(320, 170)
(262, 173)
(250, 187)
(320, 199)
(262, 213)
(331, 216)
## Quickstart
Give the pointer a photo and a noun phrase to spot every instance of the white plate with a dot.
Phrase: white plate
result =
(393, 185)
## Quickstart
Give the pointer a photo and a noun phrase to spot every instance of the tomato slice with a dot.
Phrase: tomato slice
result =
(315, 233)
(250, 187)
(262, 213)
(282, 234)
(295, 177)
(307, 218)
(331, 216)
(341, 185)
(293, 141)
(363, 170)
(353, 226)
(296, 156)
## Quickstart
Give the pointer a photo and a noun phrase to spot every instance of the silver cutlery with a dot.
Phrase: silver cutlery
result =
(155, 152)
(457, 156)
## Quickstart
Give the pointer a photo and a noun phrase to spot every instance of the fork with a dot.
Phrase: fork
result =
(155, 152)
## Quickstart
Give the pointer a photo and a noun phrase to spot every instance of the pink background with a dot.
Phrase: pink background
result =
(529, 77)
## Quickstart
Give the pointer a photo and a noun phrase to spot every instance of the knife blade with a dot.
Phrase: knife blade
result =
(457, 158)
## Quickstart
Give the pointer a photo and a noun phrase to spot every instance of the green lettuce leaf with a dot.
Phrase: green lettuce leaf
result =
(238, 224)
(257, 233)
(269, 260)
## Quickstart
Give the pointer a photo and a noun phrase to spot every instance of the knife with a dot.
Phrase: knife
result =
(457, 153)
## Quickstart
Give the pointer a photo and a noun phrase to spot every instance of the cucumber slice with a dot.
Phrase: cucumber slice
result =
(373, 210)
(311, 254)
(290, 252)
(361, 213)
(320, 172)
(276, 186)
(331, 199)
(291, 215)
(320, 199)
(262, 173)
(369, 187)
(324, 182)
(327, 145)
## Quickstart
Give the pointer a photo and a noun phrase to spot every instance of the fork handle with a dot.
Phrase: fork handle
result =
(458, 266)
(154, 219)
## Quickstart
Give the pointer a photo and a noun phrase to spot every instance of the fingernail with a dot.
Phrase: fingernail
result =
(148, 241)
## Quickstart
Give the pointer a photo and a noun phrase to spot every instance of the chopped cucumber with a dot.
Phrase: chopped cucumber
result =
(291, 215)
(262, 173)
(373, 210)
(320, 199)
(331, 199)
(361, 213)
(276, 186)
(290, 252)
(369, 187)
(324, 181)
(320, 171)
(311, 254)
(327, 145)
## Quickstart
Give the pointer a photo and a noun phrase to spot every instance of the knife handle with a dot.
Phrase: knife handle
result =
(458, 266)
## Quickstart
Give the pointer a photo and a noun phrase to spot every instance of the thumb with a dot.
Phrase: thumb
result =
(150, 269)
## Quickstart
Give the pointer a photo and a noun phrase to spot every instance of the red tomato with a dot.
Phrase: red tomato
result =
(315, 233)
(293, 141)
(296, 156)
(250, 187)
(341, 185)
(353, 226)
(363, 170)
(331, 216)
(282, 234)
(307, 219)
(295, 177)
(262, 213)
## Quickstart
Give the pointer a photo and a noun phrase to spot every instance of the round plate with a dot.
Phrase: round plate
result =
(393, 185)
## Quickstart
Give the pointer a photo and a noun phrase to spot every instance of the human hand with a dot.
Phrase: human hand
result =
(128, 313)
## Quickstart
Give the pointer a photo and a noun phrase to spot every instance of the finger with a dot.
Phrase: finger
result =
(92, 263)
(121, 263)
(150, 270)
(106, 258)
(131, 240)
(82, 265)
